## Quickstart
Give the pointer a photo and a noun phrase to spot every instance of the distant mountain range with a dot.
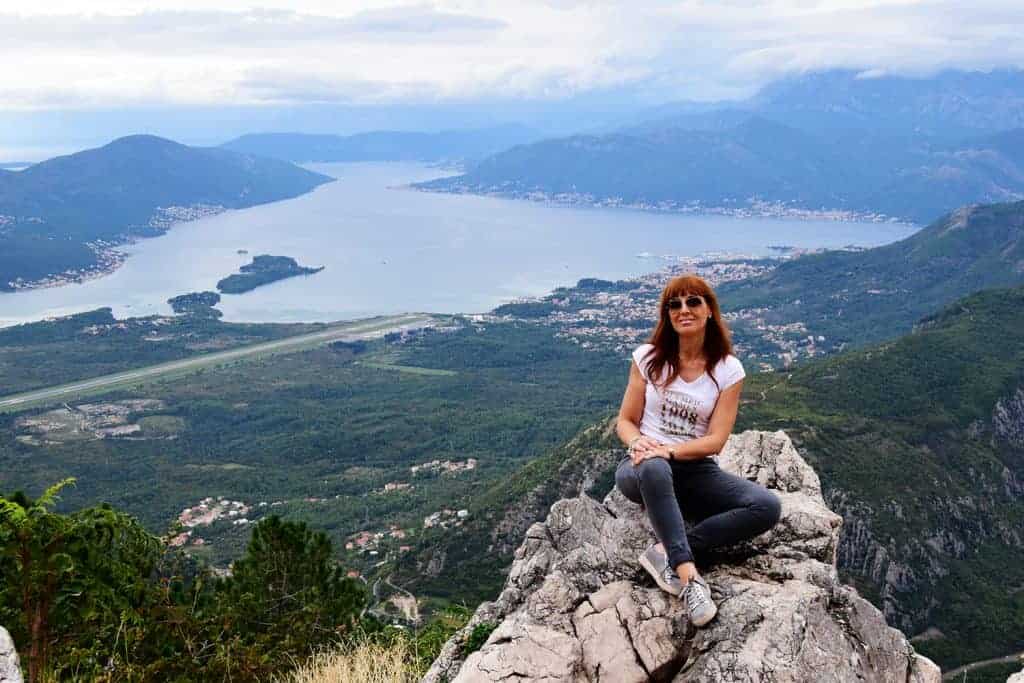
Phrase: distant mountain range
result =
(907, 148)
(452, 145)
(950, 105)
(854, 298)
(135, 186)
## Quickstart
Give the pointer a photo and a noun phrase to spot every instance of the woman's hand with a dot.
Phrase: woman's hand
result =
(646, 447)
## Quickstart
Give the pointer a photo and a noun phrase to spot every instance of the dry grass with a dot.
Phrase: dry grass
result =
(367, 663)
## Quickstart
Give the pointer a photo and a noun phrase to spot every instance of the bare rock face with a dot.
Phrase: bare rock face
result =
(578, 607)
(1016, 678)
(10, 669)
(1008, 419)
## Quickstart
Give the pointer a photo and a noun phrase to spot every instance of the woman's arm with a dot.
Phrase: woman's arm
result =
(630, 414)
(723, 418)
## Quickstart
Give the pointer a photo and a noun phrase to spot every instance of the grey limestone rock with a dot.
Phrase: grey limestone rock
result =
(1008, 418)
(10, 669)
(577, 606)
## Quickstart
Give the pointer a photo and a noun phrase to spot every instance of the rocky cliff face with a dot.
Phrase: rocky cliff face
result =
(582, 462)
(10, 669)
(577, 607)
(1008, 419)
(902, 572)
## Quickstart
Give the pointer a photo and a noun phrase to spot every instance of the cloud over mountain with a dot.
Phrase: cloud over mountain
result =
(109, 52)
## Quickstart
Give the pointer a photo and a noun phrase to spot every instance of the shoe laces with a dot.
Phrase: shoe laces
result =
(695, 597)
(670, 575)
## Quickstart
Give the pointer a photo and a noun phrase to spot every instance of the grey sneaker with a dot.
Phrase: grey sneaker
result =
(699, 604)
(656, 565)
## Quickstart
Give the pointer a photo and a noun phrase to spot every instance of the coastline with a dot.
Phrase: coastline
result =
(108, 253)
(755, 208)
(108, 259)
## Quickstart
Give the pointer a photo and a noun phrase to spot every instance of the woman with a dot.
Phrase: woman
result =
(679, 408)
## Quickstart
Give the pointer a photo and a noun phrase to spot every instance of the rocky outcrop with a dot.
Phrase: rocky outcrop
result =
(1016, 678)
(10, 669)
(577, 607)
(1008, 419)
(581, 463)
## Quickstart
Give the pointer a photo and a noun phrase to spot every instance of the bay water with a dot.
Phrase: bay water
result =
(387, 249)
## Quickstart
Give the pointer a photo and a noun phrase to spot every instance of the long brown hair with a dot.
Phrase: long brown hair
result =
(717, 339)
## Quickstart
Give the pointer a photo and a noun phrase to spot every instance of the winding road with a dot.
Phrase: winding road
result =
(953, 674)
(364, 329)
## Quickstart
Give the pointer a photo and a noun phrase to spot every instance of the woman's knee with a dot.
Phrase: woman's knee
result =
(768, 508)
(626, 481)
(654, 472)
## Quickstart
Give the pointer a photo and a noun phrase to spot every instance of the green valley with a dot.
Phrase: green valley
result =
(355, 437)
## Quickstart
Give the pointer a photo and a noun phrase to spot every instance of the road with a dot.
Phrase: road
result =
(955, 674)
(376, 327)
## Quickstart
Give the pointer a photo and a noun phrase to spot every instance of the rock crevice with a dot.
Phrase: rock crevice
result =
(577, 606)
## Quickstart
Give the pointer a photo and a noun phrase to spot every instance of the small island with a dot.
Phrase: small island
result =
(263, 270)
(199, 304)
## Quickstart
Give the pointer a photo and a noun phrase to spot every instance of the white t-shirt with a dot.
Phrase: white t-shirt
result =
(682, 410)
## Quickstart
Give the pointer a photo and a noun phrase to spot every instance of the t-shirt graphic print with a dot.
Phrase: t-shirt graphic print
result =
(679, 414)
(682, 410)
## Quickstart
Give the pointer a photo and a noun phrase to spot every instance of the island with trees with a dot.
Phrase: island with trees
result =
(196, 303)
(263, 270)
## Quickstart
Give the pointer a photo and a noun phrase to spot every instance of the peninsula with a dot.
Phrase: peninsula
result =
(263, 270)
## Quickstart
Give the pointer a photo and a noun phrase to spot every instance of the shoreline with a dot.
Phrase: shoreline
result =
(109, 254)
(755, 209)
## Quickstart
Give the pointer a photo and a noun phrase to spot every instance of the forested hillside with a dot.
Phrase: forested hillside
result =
(854, 298)
(54, 213)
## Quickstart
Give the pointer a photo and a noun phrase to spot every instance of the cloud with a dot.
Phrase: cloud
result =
(183, 29)
(120, 53)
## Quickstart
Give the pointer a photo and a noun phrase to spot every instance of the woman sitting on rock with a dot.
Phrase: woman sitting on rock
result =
(679, 408)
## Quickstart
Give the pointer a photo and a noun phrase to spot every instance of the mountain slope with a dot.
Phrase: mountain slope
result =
(384, 145)
(949, 105)
(919, 443)
(911, 178)
(867, 296)
(907, 148)
(53, 208)
(775, 161)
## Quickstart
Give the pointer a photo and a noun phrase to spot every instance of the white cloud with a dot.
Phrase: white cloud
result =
(71, 53)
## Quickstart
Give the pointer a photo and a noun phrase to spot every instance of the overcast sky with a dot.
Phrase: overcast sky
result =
(81, 54)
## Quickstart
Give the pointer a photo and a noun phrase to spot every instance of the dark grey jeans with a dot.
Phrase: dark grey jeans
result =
(725, 508)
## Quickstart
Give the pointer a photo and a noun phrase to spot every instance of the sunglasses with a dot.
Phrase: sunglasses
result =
(677, 302)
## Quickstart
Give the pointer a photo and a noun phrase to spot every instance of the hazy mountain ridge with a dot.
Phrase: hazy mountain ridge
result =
(451, 145)
(906, 148)
(948, 105)
(113, 192)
